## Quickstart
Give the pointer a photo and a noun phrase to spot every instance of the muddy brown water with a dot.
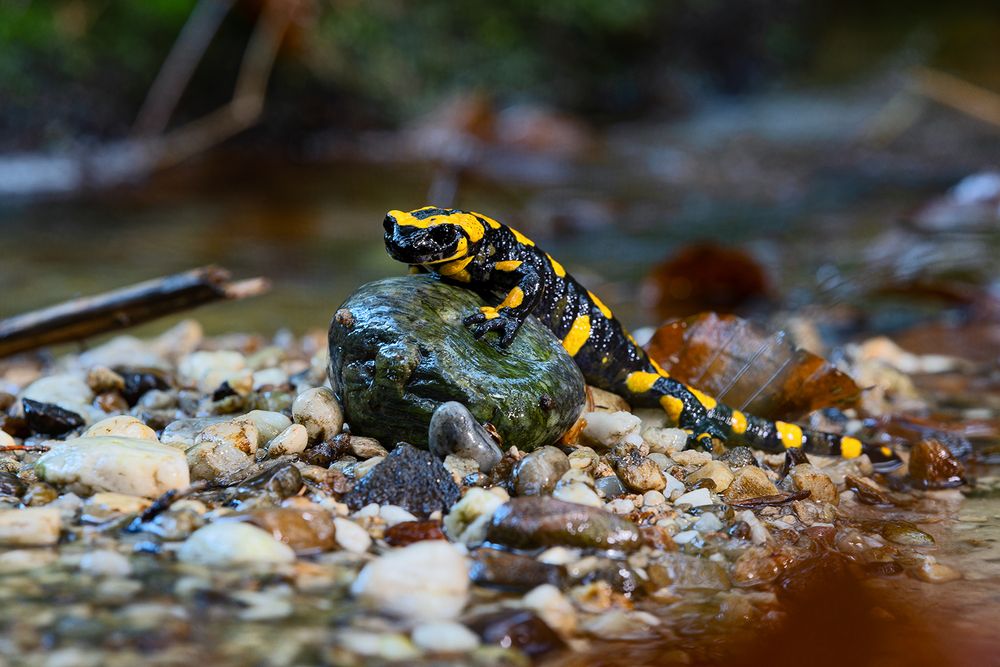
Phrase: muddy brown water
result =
(316, 233)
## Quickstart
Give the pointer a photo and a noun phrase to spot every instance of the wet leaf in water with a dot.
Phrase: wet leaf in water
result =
(727, 357)
(932, 466)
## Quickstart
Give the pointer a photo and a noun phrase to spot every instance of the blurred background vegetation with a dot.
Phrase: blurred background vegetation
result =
(76, 71)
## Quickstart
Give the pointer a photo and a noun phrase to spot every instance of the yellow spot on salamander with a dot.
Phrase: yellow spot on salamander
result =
(514, 299)
(640, 382)
(659, 369)
(673, 406)
(704, 399)
(557, 267)
(457, 266)
(850, 447)
(509, 265)
(578, 335)
(489, 311)
(790, 435)
(738, 422)
(600, 305)
(886, 451)
(469, 223)
(521, 238)
(488, 220)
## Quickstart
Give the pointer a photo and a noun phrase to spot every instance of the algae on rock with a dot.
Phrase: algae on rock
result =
(398, 349)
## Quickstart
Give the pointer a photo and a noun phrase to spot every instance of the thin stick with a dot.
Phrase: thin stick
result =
(88, 316)
(958, 94)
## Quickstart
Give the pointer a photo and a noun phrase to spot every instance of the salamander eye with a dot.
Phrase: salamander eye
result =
(389, 224)
(442, 234)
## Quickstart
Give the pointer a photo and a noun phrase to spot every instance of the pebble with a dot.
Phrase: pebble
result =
(6, 439)
(389, 646)
(233, 543)
(393, 514)
(621, 506)
(609, 429)
(520, 629)
(181, 433)
(542, 521)
(444, 637)
(427, 580)
(103, 506)
(758, 531)
(933, 572)
(664, 440)
(102, 379)
(366, 448)
(610, 486)
(49, 418)
(738, 457)
(708, 522)
(293, 440)
(112, 463)
(206, 370)
(578, 492)
(661, 460)
(68, 391)
(469, 517)
(223, 448)
(686, 536)
(640, 474)
(454, 430)
(716, 471)
(123, 425)
(674, 485)
(807, 477)
(904, 532)
(510, 571)
(691, 457)
(653, 498)
(268, 424)
(352, 537)
(364, 467)
(750, 482)
(305, 529)
(552, 607)
(696, 498)
(411, 478)
(538, 472)
(269, 377)
(933, 466)
(32, 526)
(105, 563)
(318, 410)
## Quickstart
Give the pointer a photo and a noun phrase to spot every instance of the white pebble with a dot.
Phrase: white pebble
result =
(112, 463)
(674, 485)
(318, 410)
(686, 536)
(6, 439)
(552, 607)
(621, 506)
(351, 537)
(696, 498)
(221, 449)
(445, 637)
(227, 543)
(207, 370)
(758, 531)
(32, 526)
(105, 563)
(274, 377)
(293, 440)
(579, 493)
(559, 556)
(426, 580)
(610, 428)
(68, 391)
(123, 425)
(393, 514)
(269, 424)
(708, 523)
(664, 440)
(467, 520)
(653, 498)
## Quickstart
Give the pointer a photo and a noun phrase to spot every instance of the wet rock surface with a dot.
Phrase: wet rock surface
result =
(399, 349)
(409, 477)
(538, 472)
(454, 430)
(531, 522)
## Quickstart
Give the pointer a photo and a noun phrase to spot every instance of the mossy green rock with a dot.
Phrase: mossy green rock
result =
(398, 350)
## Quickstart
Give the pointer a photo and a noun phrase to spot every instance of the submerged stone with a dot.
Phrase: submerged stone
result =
(398, 350)
(542, 521)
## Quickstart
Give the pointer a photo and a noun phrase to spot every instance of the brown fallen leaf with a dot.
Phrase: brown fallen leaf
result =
(729, 358)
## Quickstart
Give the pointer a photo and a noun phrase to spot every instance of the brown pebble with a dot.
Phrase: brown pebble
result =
(408, 532)
(933, 466)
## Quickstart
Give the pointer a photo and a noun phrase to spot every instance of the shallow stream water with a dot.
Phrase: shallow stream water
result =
(316, 233)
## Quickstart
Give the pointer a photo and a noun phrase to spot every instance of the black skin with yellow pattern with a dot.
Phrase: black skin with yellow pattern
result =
(478, 252)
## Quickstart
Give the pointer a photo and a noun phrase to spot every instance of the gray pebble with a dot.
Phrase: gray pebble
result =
(538, 472)
(610, 486)
(454, 430)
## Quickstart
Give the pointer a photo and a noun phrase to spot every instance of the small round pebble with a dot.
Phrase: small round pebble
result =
(351, 537)
(318, 410)
(653, 498)
(445, 637)
(105, 563)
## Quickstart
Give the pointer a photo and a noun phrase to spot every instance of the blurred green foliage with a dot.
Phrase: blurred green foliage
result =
(81, 68)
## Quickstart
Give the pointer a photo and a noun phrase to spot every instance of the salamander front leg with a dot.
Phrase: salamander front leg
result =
(506, 319)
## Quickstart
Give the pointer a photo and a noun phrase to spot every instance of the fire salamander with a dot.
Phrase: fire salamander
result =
(480, 253)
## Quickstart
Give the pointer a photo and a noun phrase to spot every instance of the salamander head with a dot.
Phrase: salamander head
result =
(431, 235)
